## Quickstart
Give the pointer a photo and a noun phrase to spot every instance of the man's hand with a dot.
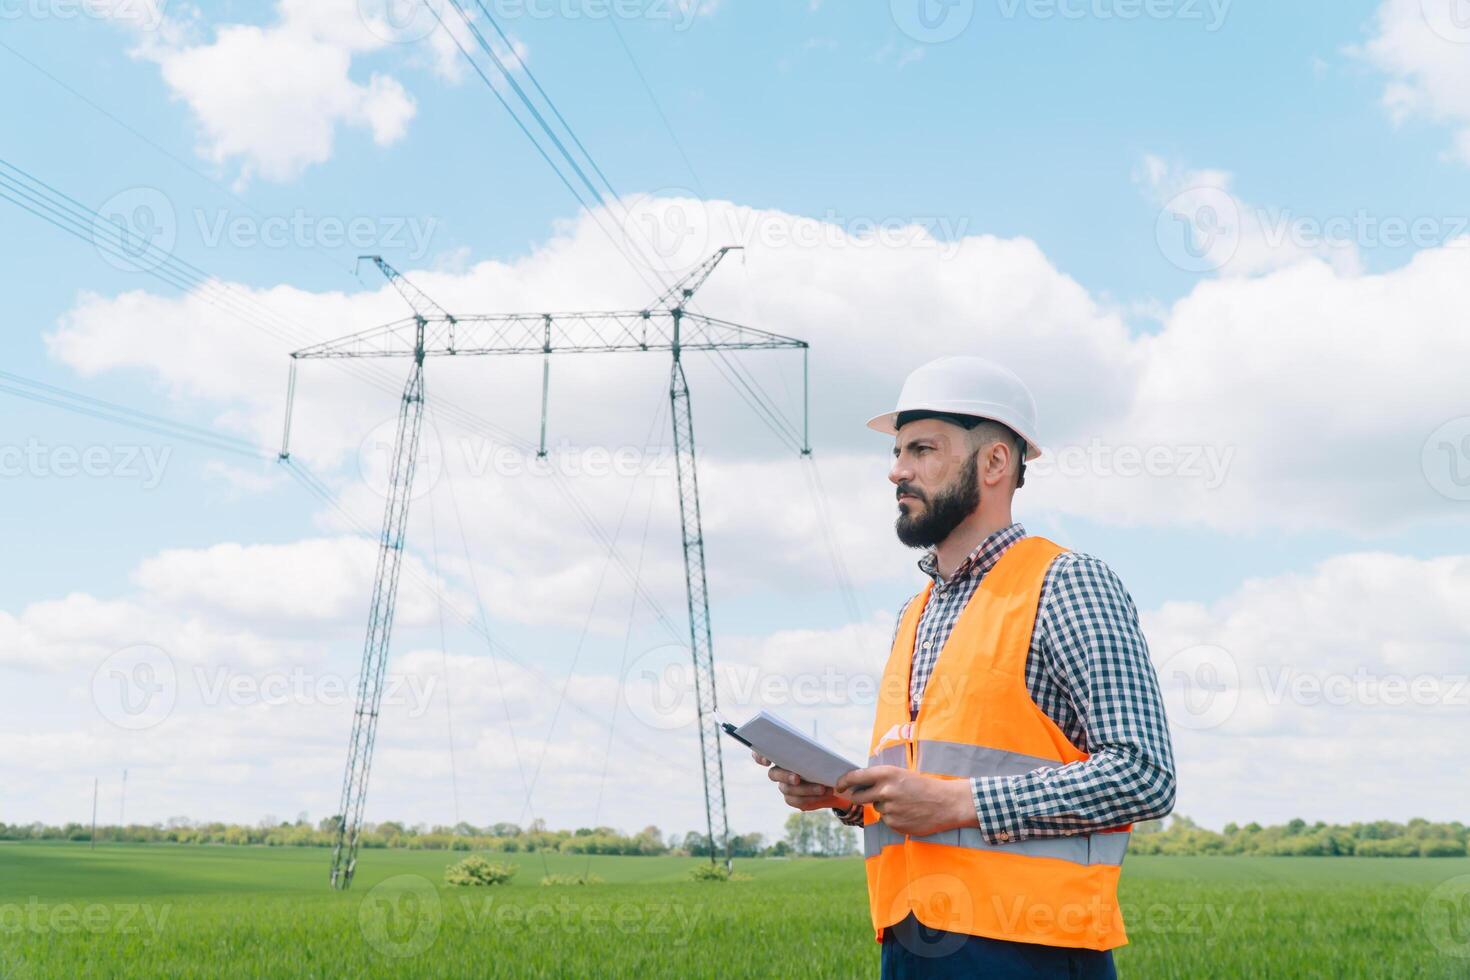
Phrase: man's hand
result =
(911, 802)
(798, 792)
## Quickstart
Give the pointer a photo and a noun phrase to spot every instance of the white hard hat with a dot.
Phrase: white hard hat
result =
(967, 386)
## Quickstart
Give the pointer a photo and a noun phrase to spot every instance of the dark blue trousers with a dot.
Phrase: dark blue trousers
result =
(913, 951)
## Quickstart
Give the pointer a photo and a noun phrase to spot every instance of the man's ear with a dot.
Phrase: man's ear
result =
(995, 464)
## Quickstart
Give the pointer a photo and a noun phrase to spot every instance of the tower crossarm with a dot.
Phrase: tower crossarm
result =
(550, 333)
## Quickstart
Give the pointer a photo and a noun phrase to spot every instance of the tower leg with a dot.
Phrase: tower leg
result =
(701, 643)
(380, 628)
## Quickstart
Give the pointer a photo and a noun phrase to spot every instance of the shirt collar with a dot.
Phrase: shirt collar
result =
(977, 562)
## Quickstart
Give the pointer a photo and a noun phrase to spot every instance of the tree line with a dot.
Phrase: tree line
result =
(817, 834)
(1297, 838)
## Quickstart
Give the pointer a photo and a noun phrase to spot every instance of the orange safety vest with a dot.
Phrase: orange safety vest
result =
(977, 719)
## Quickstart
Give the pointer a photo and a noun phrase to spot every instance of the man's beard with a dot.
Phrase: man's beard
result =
(949, 508)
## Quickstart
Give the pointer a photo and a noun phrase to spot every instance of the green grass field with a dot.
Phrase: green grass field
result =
(194, 911)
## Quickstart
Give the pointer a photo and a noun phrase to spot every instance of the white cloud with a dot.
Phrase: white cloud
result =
(1424, 48)
(1205, 227)
(304, 582)
(226, 604)
(272, 98)
(80, 631)
(1302, 395)
(1353, 666)
(1347, 682)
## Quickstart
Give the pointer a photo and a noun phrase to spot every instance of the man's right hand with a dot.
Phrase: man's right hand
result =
(799, 793)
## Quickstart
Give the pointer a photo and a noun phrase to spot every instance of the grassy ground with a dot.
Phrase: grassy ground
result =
(67, 911)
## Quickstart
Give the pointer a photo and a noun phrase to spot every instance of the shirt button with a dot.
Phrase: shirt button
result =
(1002, 836)
(928, 644)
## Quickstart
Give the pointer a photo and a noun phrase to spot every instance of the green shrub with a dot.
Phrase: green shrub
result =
(716, 872)
(1441, 849)
(475, 870)
(709, 872)
(582, 879)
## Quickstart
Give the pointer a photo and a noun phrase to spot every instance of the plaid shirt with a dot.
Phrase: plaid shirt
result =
(1089, 671)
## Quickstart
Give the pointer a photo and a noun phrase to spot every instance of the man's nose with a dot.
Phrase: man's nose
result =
(899, 472)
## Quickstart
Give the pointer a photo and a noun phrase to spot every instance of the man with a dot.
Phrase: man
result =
(1019, 727)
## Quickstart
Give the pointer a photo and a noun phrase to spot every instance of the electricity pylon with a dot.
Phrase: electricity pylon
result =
(666, 325)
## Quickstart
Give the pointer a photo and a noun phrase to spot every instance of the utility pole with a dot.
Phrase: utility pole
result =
(94, 814)
(665, 325)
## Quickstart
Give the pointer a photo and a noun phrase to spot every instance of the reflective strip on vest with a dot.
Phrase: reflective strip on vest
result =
(893, 755)
(975, 761)
(978, 762)
(1086, 849)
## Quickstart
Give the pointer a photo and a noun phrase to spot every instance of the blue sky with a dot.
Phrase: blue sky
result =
(1058, 157)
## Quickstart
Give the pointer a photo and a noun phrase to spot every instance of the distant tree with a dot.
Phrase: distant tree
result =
(650, 840)
(801, 831)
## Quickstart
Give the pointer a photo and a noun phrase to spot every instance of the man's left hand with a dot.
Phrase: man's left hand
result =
(911, 802)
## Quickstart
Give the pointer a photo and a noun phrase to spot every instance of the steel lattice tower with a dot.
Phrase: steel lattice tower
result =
(666, 325)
